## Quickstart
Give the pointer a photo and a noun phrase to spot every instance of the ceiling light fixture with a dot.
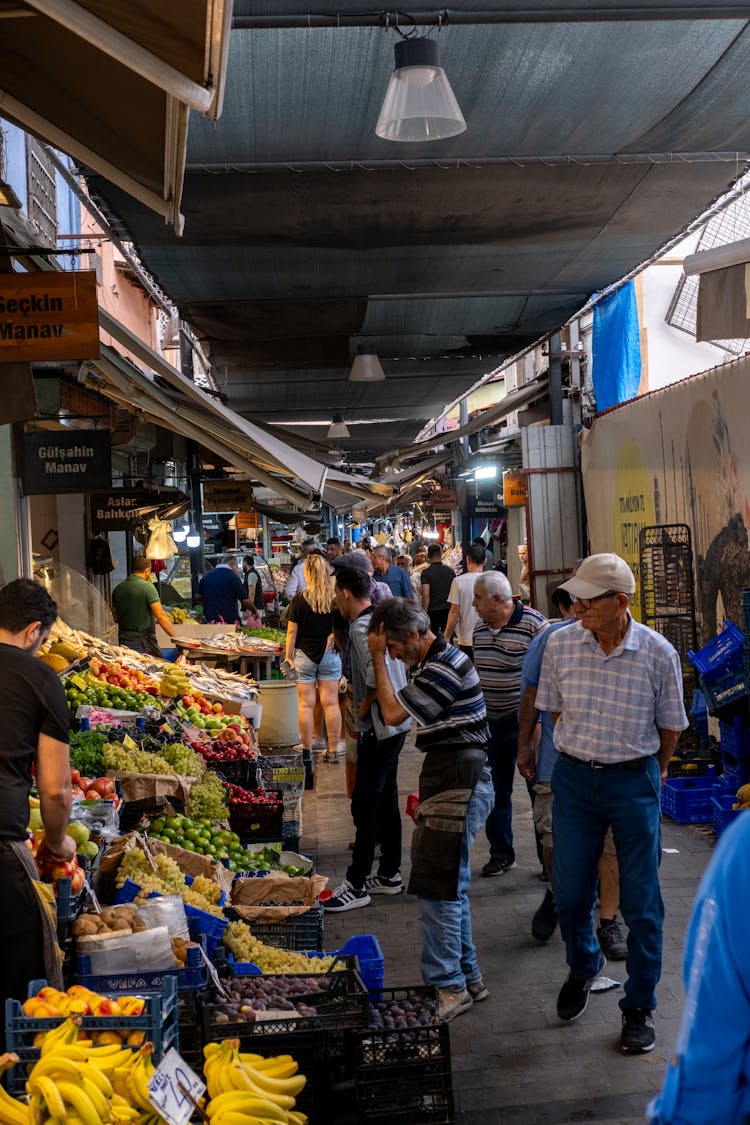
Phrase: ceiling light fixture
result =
(179, 534)
(338, 428)
(419, 104)
(193, 540)
(366, 367)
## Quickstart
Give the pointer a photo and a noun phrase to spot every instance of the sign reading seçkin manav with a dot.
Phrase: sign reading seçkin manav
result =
(48, 315)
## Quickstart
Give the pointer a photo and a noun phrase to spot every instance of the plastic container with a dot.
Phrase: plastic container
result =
(342, 1004)
(300, 932)
(159, 1022)
(723, 653)
(734, 738)
(366, 948)
(725, 691)
(688, 800)
(279, 701)
(404, 1075)
(260, 821)
(193, 977)
(723, 813)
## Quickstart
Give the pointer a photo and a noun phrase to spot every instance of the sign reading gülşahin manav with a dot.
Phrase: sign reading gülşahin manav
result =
(48, 315)
(74, 461)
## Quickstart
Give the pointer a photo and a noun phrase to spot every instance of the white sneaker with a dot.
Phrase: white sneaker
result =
(346, 897)
(319, 744)
(379, 885)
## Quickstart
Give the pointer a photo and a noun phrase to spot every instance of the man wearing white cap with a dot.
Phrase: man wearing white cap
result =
(614, 688)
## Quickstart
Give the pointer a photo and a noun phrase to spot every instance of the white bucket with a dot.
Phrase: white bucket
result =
(279, 701)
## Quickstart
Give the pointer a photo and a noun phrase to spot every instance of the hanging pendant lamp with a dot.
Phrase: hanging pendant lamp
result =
(419, 104)
(366, 367)
(338, 428)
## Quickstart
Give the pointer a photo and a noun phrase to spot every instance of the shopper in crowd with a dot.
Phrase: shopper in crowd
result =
(334, 548)
(375, 808)
(437, 579)
(35, 722)
(706, 1080)
(455, 789)
(395, 577)
(415, 576)
(310, 653)
(502, 635)
(535, 765)
(137, 609)
(489, 558)
(614, 688)
(297, 580)
(462, 617)
(223, 592)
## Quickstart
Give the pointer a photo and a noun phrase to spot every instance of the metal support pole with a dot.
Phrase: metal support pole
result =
(555, 380)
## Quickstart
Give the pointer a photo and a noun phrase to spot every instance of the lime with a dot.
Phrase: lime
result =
(158, 825)
(188, 845)
(174, 822)
(187, 823)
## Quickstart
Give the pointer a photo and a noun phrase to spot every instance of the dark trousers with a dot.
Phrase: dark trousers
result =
(438, 619)
(21, 940)
(501, 753)
(375, 810)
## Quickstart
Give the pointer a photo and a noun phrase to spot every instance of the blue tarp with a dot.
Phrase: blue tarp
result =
(616, 348)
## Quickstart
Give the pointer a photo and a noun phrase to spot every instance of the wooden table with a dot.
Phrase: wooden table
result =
(257, 661)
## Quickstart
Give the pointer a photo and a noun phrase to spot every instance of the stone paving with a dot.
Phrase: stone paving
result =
(514, 1062)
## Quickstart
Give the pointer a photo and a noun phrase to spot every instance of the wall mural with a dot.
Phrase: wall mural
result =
(679, 455)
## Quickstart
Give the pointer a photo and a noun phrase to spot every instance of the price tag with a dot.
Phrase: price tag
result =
(174, 1089)
(128, 743)
(78, 681)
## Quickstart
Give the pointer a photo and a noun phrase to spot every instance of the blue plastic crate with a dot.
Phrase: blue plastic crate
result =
(687, 800)
(68, 905)
(699, 715)
(210, 926)
(159, 1022)
(735, 738)
(194, 976)
(723, 653)
(364, 947)
(723, 813)
(725, 690)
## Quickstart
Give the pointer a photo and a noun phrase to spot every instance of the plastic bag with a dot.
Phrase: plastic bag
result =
(166, 910)
(100, 817)
(149, 951)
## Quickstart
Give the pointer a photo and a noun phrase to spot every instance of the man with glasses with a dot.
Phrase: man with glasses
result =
(614, 688)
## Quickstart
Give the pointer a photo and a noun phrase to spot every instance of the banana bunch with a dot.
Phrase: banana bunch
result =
(177, 615)
(246, 1089)
(12, 1112)
(174, 682)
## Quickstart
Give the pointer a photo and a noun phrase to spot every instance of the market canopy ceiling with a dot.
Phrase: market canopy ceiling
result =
(592, 139)
(112, 84)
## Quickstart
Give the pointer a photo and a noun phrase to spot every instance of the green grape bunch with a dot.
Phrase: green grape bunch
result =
(240, 941)
(208, 799)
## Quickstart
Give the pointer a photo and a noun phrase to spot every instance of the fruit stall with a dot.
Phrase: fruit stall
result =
(196, 976)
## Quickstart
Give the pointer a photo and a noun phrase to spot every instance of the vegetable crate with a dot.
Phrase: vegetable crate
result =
(361, 952)
(158, 1021)
(687, 800)
(261, 820)
(403, 1075)
(735, 738)
(723, 813)
(723, 654)
(242, 772)
(299, 932)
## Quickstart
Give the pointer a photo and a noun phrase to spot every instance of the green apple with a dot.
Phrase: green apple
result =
(88, 850)
(77, 831)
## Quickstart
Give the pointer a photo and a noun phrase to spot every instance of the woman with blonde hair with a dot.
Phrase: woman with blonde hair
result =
(310, 652)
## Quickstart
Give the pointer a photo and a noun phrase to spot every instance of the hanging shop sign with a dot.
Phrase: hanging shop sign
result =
(246, 521)
(116, 510)
(72, 461)
(227, 495)
(514, 488)
(444, 500)
(48, 315)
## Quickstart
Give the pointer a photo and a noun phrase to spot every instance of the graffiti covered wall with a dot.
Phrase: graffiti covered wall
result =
(679, 455)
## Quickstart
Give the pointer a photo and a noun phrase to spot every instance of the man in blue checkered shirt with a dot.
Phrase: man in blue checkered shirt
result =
(614, 688)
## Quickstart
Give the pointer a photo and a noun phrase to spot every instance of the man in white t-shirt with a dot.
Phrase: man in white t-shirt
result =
(462, 617)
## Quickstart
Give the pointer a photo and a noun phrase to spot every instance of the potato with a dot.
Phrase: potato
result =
(82, 927)
(121, 924)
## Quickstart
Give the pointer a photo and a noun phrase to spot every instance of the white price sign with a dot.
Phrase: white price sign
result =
(174, 1089)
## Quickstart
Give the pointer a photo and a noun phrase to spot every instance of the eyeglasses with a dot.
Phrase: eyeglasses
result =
(586, 603)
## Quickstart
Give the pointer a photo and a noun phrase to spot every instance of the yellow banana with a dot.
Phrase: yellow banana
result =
(80, 1101)
(98, 1099)
(239, 1101)
(105, 1051)
(55, 1066)
(291, 1087)
(282, 1066)
(11, 1111)
(242, 1079)
(97, 1078)
(46, 1089)
(64, 1033)
(237, 1117)
(297, 1118)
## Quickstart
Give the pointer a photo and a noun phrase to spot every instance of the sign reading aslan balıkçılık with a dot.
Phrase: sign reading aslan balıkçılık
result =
(48, 315)
(79, 461)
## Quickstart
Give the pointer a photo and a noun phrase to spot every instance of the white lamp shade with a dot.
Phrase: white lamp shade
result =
(179, 535)
(366, 367)
(338, 428)
(193, 540)
(419, 104)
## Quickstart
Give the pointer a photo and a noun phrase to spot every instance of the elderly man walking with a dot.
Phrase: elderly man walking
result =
(614, 688)
(501, 638)
(455, 792)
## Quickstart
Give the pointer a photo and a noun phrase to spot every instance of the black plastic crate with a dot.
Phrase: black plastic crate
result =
(404, 1074)
(258, 822)
(241, 772)
(300, 932)
(342, 1005)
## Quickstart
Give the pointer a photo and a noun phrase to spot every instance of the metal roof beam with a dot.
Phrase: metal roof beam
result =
(440, 17)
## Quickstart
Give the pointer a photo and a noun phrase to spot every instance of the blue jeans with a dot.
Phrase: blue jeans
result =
(586, 802)
(501, 754)
(449, 958)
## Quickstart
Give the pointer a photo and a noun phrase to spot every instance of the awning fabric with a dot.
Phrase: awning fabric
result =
(112, 84)
(189, 410)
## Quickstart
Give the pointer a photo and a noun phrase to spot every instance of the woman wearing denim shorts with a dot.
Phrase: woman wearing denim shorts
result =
(310, 652)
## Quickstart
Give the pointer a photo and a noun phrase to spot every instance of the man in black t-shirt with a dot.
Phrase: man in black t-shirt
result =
(34, 726)
(437, 579)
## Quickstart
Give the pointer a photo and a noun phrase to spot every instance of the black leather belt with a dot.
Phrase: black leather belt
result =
(630, 764)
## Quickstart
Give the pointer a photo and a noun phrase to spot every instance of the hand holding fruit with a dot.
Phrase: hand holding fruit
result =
(52, 854)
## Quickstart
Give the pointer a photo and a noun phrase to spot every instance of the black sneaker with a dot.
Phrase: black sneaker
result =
(573, 997)
(638, 1036)
(612, 940)
(544, 922)
(346, 897)
(497, 867)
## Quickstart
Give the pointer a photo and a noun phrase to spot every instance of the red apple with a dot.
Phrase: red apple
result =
(92, 795)
(84, 782)
(75, 776)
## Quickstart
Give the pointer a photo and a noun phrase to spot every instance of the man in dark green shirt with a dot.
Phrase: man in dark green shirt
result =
(137, 608)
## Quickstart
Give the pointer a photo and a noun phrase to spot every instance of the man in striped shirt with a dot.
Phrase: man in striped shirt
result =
(614, 688)
(455, 789)
(501, 638)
